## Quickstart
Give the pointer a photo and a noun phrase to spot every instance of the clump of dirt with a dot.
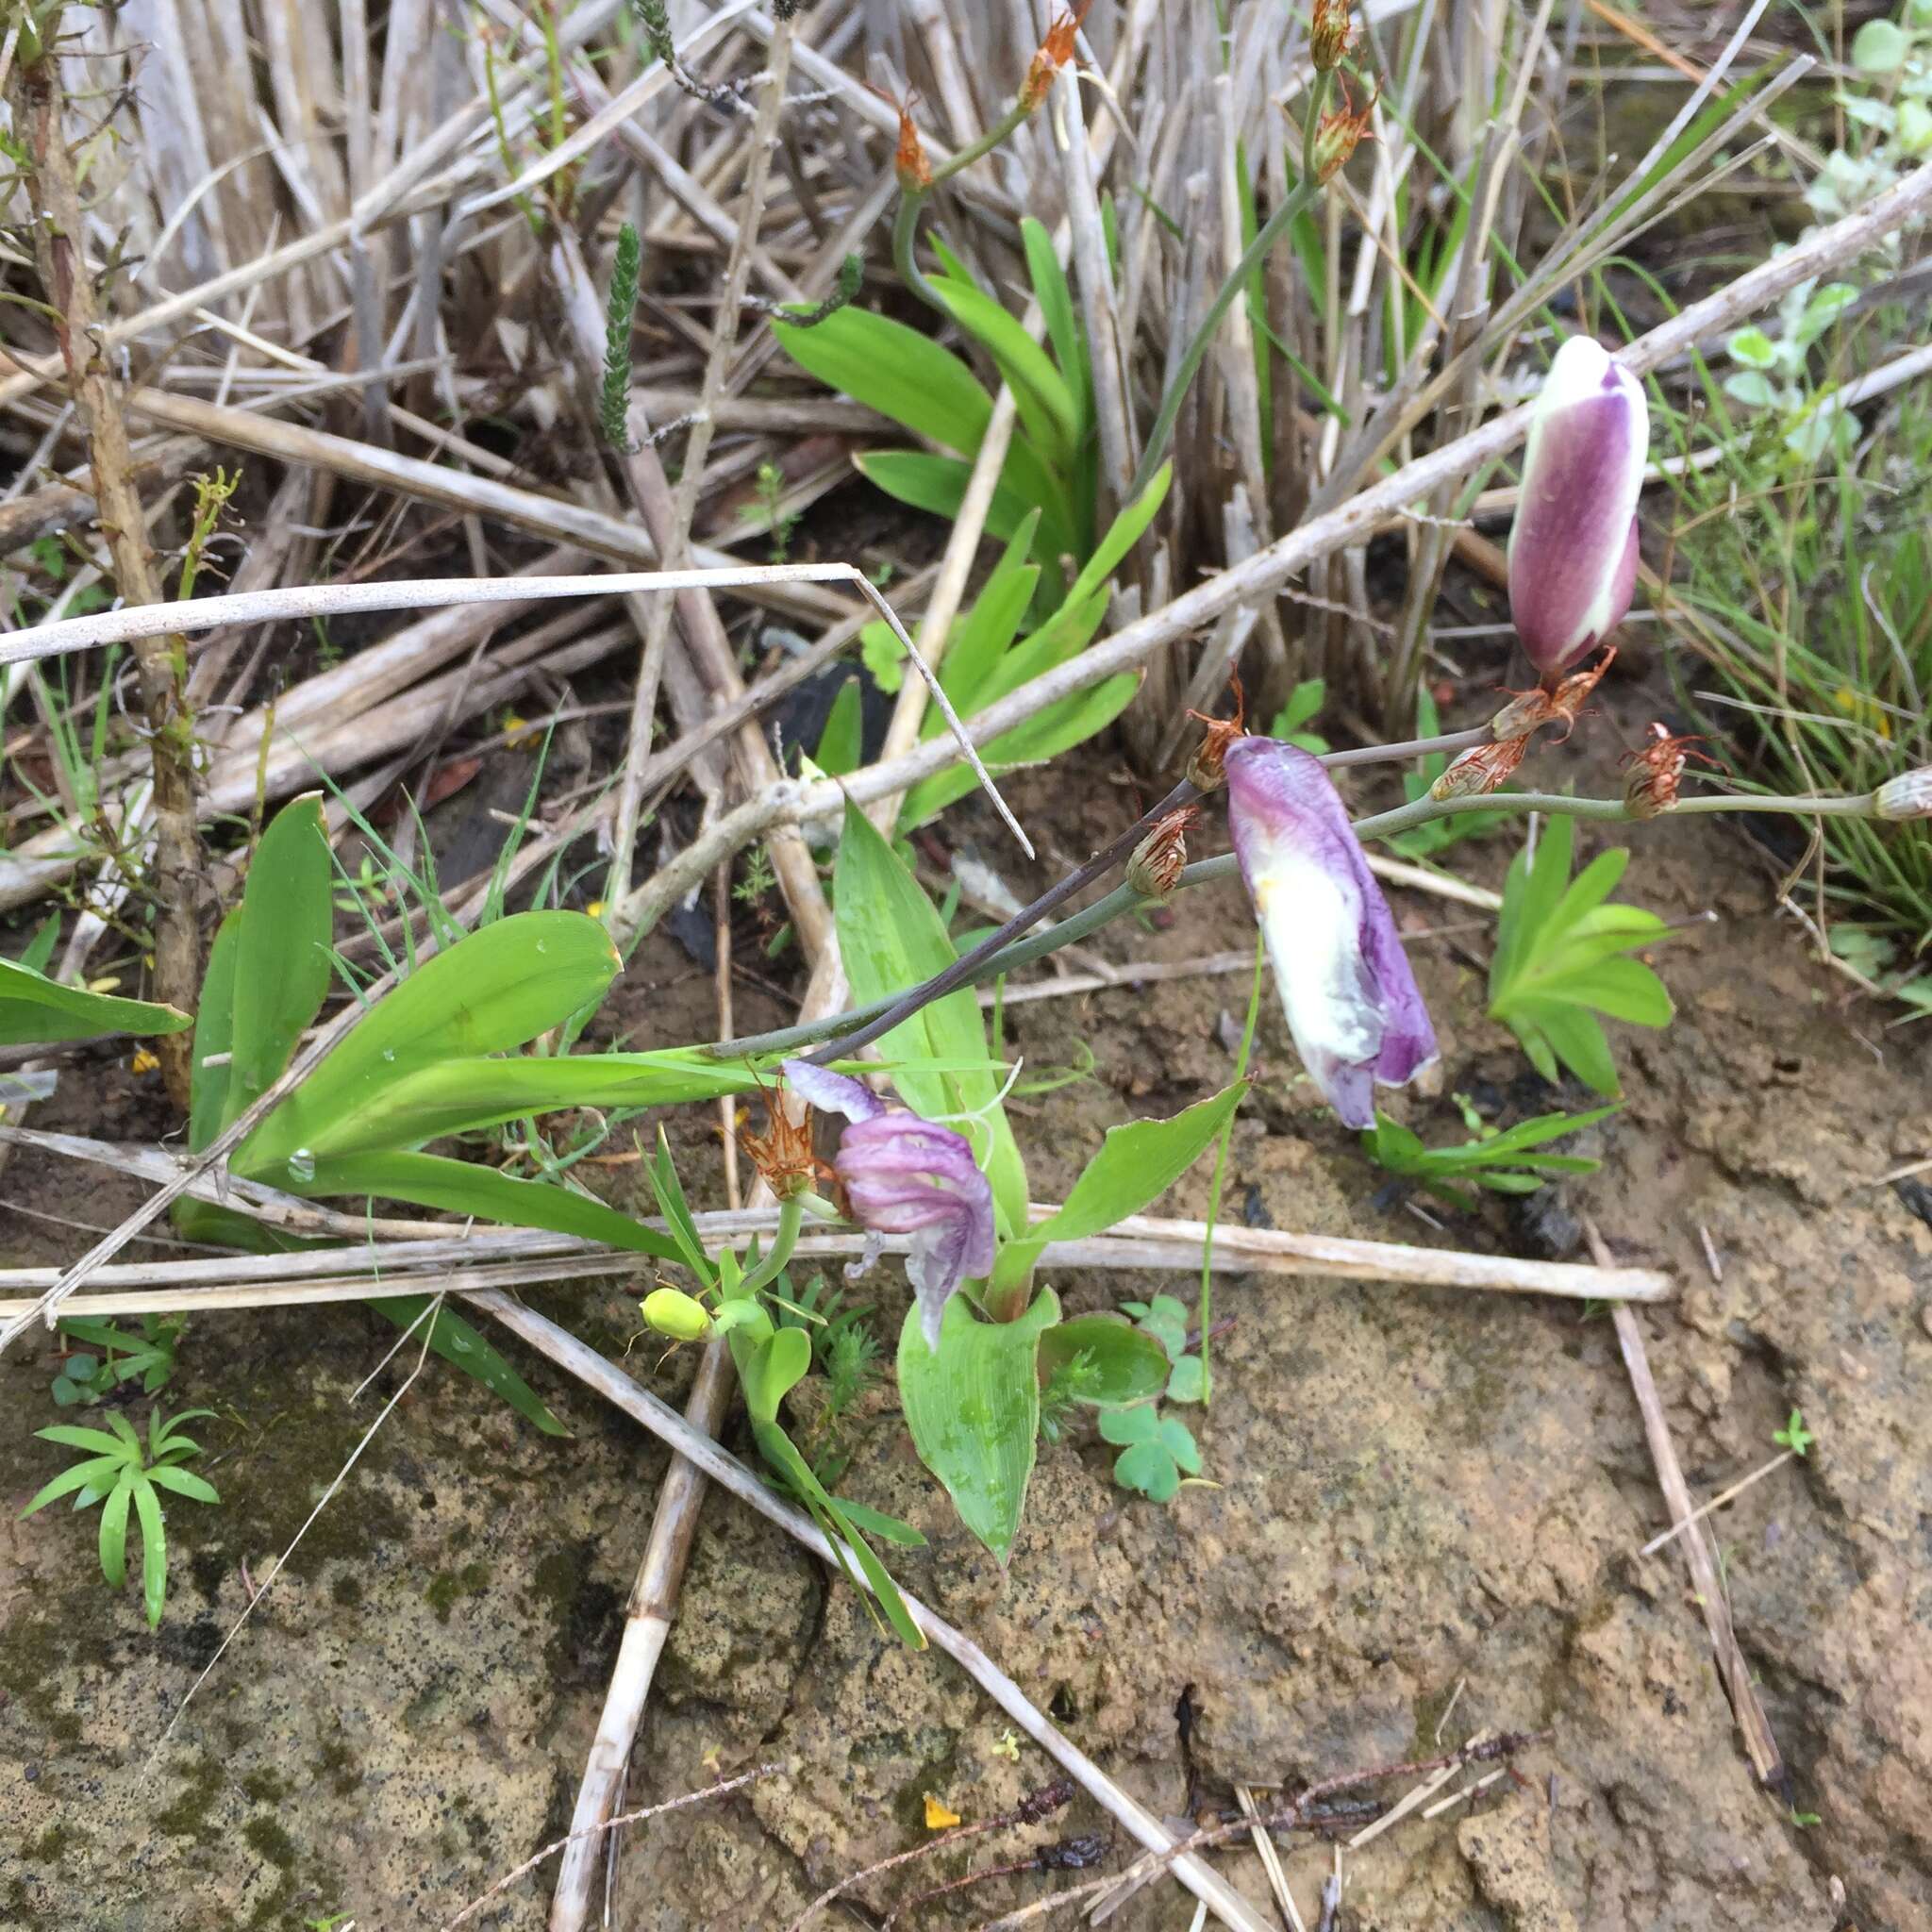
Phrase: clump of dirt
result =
(1422, 1519)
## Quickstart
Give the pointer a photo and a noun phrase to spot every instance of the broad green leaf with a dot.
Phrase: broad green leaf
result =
(463, 1187)
(1131, 1365)
(490, 993)
(974, 1411)
(1041, 397)
(207, 1086)
(461, 1095)
(1625, 989)
(72, 1435)
(981, 641)
(1064, 329)
(1042, 738)
(839, 748)
(770, 1368)
(461, 1346)
(938, 484)
(33, 1008)
(114, 1533)
(184, 1481)
(1576, 1039)
(39, 949)
(896, 371)
(1137, 1163)
(76, 1476)
(282, 965)
(891, 938)
(153, 1553)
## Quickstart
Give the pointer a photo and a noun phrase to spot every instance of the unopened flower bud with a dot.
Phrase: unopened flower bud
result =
(1573, 548)
(1155, 869)
(1480, 769)
(672, 1312)
(1907, 796)
(1328, 37)
(1055, 52)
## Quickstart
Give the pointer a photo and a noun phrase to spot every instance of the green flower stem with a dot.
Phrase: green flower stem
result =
(986, 965)
(1271, 231)
(784, 1239)
(913, 204)
(906, 253)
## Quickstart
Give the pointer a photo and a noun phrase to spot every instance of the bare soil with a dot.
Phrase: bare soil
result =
(1413, 1493)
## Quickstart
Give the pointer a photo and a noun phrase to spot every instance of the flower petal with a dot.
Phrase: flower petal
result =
(905, 1176)
(1573, 549)
(1351, 1000)
(831, 1092)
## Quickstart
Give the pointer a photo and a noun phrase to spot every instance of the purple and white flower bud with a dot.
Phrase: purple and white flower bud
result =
(1907, 796)
(1573, 550)
(1351, 1001)
(906, 1175)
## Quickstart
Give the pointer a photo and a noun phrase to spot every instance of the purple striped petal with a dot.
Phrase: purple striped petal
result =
(906, 1176)
(831, 1092)
(1573, 549)
(1351, 1000)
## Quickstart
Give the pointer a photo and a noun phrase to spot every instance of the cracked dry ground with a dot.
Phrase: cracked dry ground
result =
(1413, 1491)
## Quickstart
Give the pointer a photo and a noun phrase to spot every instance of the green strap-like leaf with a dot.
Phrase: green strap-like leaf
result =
(490, 993)
(154, 1552)
(282, 964)
(33, 1009)
(459, 1345)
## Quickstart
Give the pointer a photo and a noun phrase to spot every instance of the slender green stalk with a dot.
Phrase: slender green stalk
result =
(1206, 1318)
(988, 962)
(1258, 251)
(784, 1239)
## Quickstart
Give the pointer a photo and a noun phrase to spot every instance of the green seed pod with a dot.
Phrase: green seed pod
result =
(672, 1312)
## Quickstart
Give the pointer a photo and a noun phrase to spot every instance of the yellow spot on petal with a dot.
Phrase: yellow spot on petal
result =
(143, 1062)
(937, 1818)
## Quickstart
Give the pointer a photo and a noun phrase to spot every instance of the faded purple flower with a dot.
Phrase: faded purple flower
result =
(1573, 549)
(1351, 1001)
(906, 1175)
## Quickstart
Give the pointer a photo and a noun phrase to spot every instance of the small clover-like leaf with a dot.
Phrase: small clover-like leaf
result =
(1189, 1381)
(1129, 1426)
(1148, 1468)
(1177, 1439)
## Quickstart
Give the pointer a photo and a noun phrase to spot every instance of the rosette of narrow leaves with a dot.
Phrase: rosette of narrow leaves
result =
(1563, 958)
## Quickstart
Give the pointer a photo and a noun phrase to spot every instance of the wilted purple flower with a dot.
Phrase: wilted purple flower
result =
(903, 1174)
(1351, 1001)
(1573, 550)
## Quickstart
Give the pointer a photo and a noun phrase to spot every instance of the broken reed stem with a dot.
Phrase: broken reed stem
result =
(721, 1467)
(1734, 1673)
(1279, 1818)
(58, 239)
